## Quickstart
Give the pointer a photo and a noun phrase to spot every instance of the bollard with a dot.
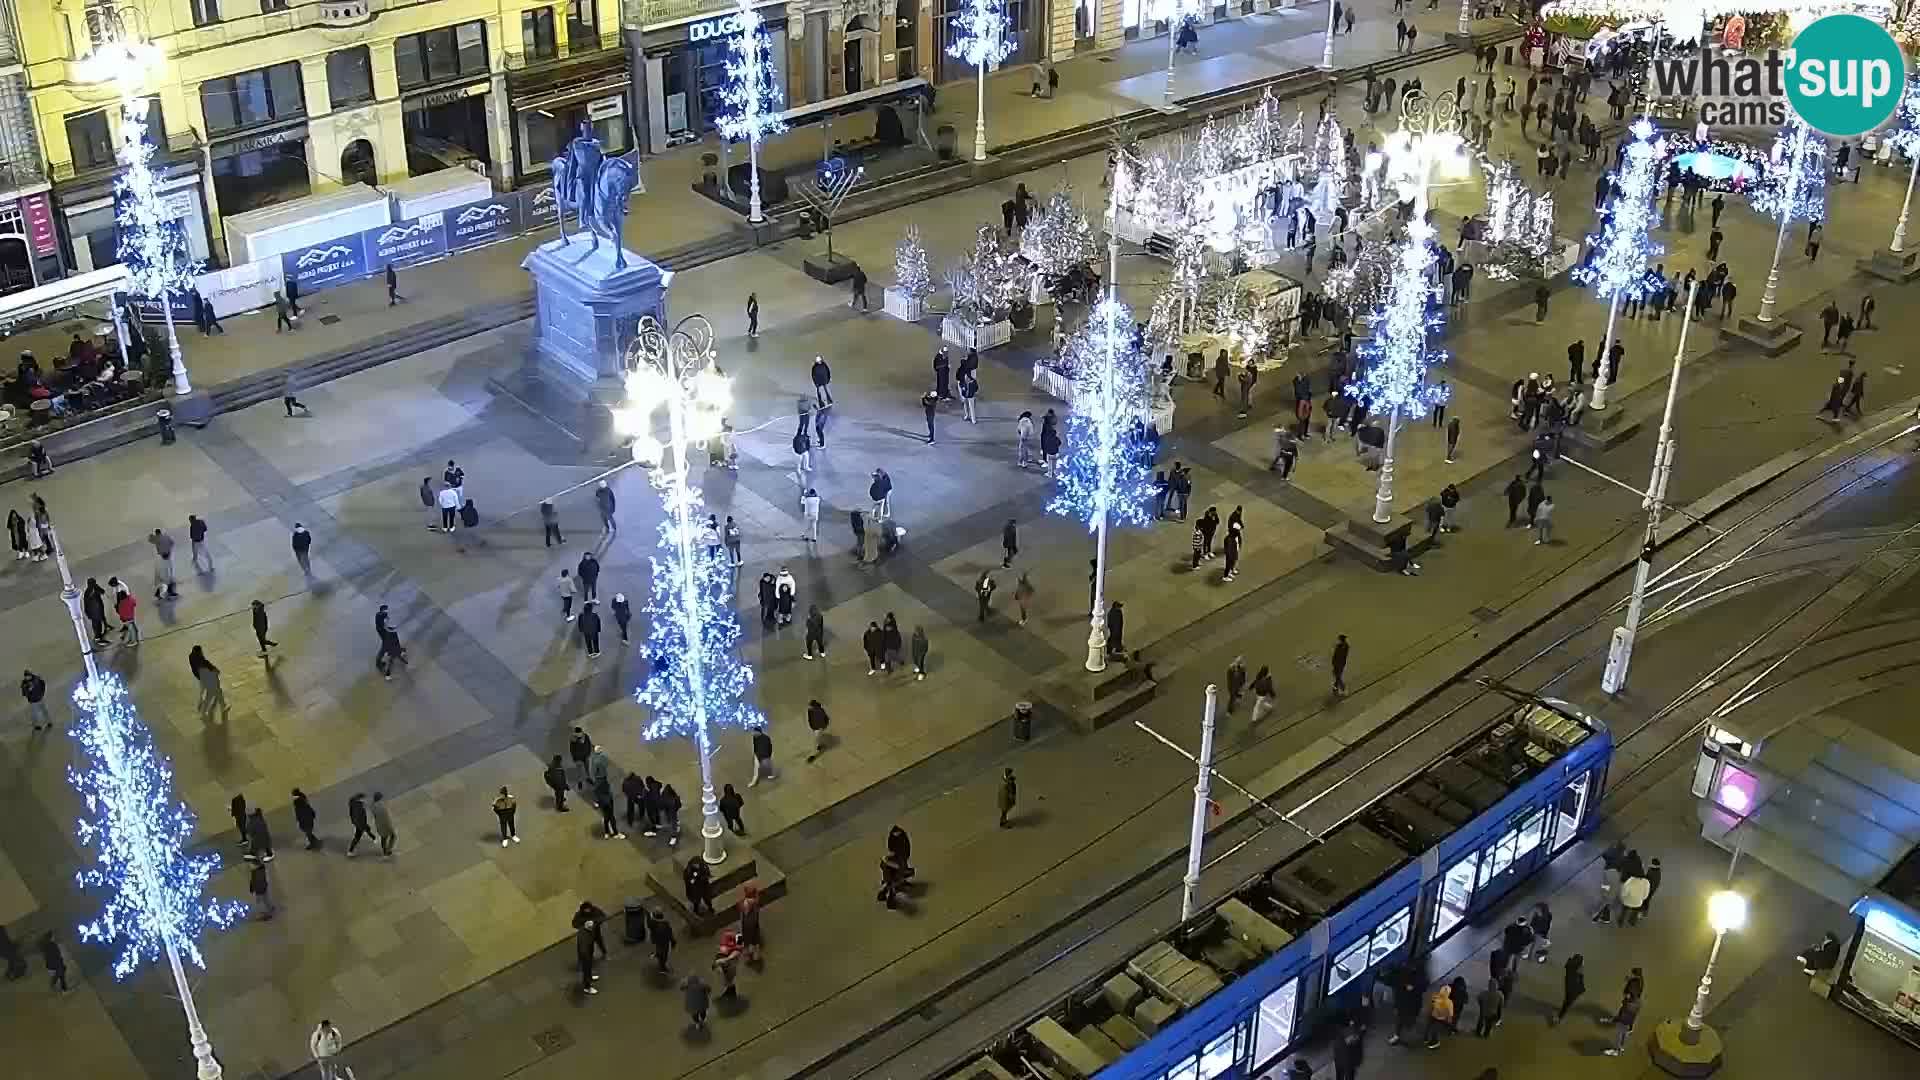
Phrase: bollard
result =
(1023, 720)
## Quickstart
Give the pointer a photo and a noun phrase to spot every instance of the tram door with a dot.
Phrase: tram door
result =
(1569, 810)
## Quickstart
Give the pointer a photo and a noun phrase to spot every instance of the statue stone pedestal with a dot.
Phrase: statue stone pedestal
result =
(586, 313)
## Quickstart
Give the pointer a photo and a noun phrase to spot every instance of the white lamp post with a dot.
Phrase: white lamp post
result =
(124, 58)
(675, 370)
(1726, 911)
(1801, 140)
(206, 1065)
(1197, 833)
(1326, 46)
(1466, 25)
(751, 98)
(1905, 137)
(1620, 651)
(980, 38)
(1900, 226)
(1428, 138)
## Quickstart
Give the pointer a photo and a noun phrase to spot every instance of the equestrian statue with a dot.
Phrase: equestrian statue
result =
(596, 189)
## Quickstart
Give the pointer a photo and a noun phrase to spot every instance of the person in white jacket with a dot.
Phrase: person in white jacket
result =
(324, 1044)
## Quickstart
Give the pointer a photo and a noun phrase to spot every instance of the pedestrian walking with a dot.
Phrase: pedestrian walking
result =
(1248, 376)
(550, 523)
(929, 403)
(290, 393)
(304, 818)
(164, 585)
(698, 998)
(1441, 1016)
(1629, 1012)
(565, 587)
(874, 642)
(259, 837)
(983, 593)
(1050, 445)
(919, 648)
(55, 960)
(697, 880)
(1116, 630)
(817, 722)
(603, 499)
(324, 1045)
(556, 780)
(601, 791)
(622, 616)
(382, 822)
(302, 544)
(752, 939)
(197, 538)
(393, 287)
(660, 935)
(17, 537)
(1542, 514)
(212, 695)
(583, 956)
(33, 690)
(590, 630)
(1236, 681)
(726, 964)
(753, 315)
(1341, 650)
(505, 807)
(260, 628)
(1009, 795)
(1263, 694)
(1231, 548)
(1453, 438)
(357, 814)
(762, 757)
(1009, 542)
(731, 803)
(1633, 898)
(859, 288)
(282, 314)
(237, 809)
(1492, 1003)
(1652, 876)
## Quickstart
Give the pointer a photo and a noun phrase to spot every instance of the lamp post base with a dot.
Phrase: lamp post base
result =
(1682, 1051)
(1887, 264)
(1772, 337)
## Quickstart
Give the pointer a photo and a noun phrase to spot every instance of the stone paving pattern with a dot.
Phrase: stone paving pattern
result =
(496, 680)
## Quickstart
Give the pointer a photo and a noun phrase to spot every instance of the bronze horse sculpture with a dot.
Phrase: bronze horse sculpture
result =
(596, 189)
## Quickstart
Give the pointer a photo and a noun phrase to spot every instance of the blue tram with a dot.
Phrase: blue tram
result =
(1228, 993)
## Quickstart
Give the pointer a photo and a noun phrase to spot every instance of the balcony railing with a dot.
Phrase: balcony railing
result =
(574, 49)
(180, 144)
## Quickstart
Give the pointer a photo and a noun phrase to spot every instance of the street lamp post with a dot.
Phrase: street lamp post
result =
(1900, 226)
(1428, 136)
(1767, 298)
(980, 39)
(1326, 46)
(1466, 26)
(206, 1065)
(675, 369)
(1726, 911)
(1690, 1047)
(1620, 651)
(1202, 786)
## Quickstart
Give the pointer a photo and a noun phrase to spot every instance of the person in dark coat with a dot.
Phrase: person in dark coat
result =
(357, 814)
(580, 748)
(583, 953)
(660, 936)
(556, 778)
(942, 375)
(238, 808)
(875, 644)
(1535, 496)
(891, 643)
(94, 602)
(1573, 984)
(56, 962)
(1116, 630)
(589, 625)
(622, 616)
(304, 818)
(259, 837)
(731, 803)
(698, 879)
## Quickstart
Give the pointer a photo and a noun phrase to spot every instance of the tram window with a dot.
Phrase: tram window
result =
(1273, 1024)
(1222, 1053)
(1186, 1070)
(1570, 809)
(1390, 936)
(1532, 831)
(1498, 856)
(1348, 965)
(1456, 892)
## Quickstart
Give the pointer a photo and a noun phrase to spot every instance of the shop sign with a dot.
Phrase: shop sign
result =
(38, 212)
(710, 29)
(483, 222)
(409, 241)
(235, 147)
(331, 263)
(538, 207)
(606, 108)
(445, 97)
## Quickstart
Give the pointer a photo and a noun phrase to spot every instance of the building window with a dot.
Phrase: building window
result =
(349, 76)
(1273, 1024)
(451, 52)
(536, 33)
(267, 7)
(253, 97)
(205, 12)
(89, 140)
(583, 25)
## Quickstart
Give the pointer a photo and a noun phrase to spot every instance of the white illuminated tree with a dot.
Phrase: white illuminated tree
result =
(980, 38)
(1519, 225)
(149, 244)
(911, 272)
(1905, 137)
(1058, 239)
(750, 103)
(1794, 189)
(1624, 246)
(1396, 359)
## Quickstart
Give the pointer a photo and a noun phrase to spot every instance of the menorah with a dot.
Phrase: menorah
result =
(827, 189)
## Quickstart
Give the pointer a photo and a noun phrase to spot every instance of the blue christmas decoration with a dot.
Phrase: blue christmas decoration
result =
(1106, 460)
(1624, 245)
(980, 34)
(150, 245)
(1396, 359)
(155, 892)
(1904, 132)
(752, 99)
(692, 690)
(1795, 187)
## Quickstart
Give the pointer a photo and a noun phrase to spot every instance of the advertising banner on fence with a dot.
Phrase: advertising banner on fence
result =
(149, 308)
(538, 208)
(403, 242)
(322, 265)
(241, 288)
(483, 222)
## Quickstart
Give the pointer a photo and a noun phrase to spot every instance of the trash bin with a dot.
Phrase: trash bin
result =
(165, 419)
(635, 929)
(1023, 720)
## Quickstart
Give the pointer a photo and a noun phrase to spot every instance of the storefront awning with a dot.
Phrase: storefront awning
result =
(854, 102)
(1824, 802)
(55, 298)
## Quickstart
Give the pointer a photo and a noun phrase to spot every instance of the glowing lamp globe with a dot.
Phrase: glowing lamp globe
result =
(1726, 911)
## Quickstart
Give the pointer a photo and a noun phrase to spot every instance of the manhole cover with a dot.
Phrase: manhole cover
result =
(329, 320)
(1485, 614)
(553, 1040)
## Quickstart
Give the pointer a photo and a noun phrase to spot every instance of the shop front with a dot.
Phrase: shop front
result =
(446, 127)
(261, 168)
(1024, 32)
(550, 105)
(685, 71)
(85, 211)
(1881, 977)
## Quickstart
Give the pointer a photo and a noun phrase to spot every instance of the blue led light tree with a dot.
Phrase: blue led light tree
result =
(750, 103)
(980, 38)
(1795, 188)
(698, 683)
(1624, 245)
(1398, 356)
(1106, 462)
(1905, 137)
